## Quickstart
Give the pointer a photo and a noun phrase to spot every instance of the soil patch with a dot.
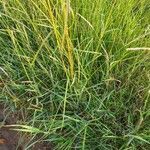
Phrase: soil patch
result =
(13, 140)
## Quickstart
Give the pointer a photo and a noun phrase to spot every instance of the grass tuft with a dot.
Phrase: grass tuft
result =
(80, 69)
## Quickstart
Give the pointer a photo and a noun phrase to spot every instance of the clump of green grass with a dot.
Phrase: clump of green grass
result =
(80, 69)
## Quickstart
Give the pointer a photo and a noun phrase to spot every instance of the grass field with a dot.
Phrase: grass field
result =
(79, 69)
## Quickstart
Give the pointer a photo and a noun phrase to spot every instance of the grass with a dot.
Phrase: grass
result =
(80, 69)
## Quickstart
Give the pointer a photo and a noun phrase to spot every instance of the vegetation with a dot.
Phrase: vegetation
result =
(79, 69)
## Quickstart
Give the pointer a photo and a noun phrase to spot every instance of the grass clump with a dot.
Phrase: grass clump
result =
(80, 69)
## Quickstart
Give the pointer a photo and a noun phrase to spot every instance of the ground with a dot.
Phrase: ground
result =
(12, 140)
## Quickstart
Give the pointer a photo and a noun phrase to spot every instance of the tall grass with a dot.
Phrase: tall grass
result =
(80, 69)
